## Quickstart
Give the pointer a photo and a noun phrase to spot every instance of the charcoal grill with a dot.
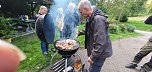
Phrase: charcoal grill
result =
(66, 53)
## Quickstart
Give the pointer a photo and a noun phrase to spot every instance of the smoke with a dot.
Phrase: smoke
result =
(61, 4)
(70, 20)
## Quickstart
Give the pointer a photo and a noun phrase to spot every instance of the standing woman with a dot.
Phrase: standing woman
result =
(60, 21)
(39, 28)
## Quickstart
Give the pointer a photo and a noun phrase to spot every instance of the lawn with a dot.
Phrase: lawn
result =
(140, 25)
(35, 60)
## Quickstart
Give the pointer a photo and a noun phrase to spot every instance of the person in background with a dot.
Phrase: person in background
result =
(97, 40)
(60, 21)
(71, 21)
(39, 30)
(145, 50)
(42, 10)
(10, 57)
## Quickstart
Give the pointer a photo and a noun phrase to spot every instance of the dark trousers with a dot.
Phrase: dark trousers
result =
(61, 34)
(148, 65)
(145, 50)
(97, 65)
(44, 46)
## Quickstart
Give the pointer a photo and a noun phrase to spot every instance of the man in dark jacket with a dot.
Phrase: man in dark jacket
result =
(145, 50)
(97, 41)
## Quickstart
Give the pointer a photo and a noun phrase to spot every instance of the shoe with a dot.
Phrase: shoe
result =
(49, 50)
(131, 65)
(142, 69)
(45, 53)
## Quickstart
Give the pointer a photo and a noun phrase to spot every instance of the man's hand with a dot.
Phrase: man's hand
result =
(90, 61)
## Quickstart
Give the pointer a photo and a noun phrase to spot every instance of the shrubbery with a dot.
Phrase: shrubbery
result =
(123, 18)
(115, 29)
(130, 28)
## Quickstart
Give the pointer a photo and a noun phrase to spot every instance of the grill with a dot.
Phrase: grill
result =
(67, 52)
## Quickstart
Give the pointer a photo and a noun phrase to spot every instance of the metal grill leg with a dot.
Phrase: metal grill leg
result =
(66, 61)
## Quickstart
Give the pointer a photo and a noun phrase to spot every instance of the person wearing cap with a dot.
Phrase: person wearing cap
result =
(10, 57)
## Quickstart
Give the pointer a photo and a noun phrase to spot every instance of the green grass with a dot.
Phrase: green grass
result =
(114, 37)
(35, 61)
(140, 25)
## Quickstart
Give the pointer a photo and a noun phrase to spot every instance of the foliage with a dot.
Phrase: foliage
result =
(130, 28)
(113, 28)
(122, 27)
(149, 6)
(122, 18)
(6, 28)
(116, 8)
(137, 7)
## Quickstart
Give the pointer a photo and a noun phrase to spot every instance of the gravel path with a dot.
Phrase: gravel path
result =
(124, 51)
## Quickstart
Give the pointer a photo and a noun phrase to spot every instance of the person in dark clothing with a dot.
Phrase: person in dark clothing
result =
(71, 21)
(97, 40)
(148, 20)
(145, 50)
(41, 30)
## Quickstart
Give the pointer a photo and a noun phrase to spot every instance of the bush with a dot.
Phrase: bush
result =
(114, 29)
(130, 28)
(123, 18)
(6, 28)
(122, 27)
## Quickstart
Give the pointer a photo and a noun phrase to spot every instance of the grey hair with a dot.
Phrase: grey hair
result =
(42, 7)
(84, 3)
(60, 10)
(71, 5)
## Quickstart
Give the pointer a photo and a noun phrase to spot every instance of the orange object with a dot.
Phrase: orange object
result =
(77, 64)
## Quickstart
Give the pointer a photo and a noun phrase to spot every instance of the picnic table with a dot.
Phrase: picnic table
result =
(28, 23)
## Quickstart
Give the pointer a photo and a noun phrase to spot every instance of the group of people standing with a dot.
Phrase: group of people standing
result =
(68, 21)
(65, 23)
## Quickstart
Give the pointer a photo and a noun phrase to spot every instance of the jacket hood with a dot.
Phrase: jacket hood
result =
(99, 12)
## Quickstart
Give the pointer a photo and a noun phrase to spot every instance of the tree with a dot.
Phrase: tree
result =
(11, 8)
(149, 6)
(115, 8)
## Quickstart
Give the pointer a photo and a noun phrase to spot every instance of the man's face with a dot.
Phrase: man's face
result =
(43, 11)
(71, 9)
(84, 12)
